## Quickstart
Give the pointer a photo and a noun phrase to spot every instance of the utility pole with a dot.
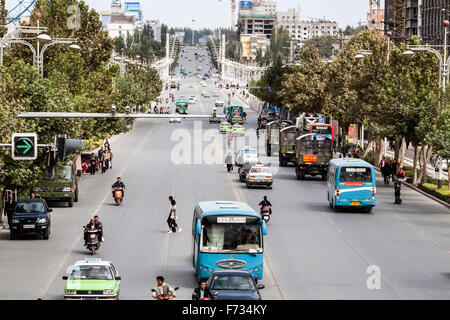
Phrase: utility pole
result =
(193, 34)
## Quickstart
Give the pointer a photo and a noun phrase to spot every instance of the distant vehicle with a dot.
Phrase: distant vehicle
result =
(312, 156)
(225, 127)
(233, 285)
(287, 145)
(63, 186)
(92, 279)
(206, 95)
(246, 155)
(227, 235)
(31, 216)
(243, 171)
(322, 131)
(259, 175)
(216, 94)
(192, 99)
(181, 107)
(235, 114)
(273, 134)
(238, 130)
(218, 104)
(175, 120)
(351, 183)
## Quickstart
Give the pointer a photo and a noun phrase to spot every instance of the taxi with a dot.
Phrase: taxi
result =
(225, 127)
(216, 94)
(259, 175)
(238, 130)
(92, 279)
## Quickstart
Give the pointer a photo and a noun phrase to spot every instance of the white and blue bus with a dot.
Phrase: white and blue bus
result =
(227, 235)
(351, 183)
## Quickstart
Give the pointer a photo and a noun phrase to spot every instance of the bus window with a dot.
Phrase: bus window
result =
(355, 174)
(227, 237)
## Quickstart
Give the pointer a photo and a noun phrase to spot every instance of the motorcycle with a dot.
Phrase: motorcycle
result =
(165, 296)
(265, 213)
(118, 195)
(93, 243)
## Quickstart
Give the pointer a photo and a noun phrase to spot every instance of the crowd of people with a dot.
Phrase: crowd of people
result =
(102, 161)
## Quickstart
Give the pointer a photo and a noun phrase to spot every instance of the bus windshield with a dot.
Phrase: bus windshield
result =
(231, 234)
(355, 174)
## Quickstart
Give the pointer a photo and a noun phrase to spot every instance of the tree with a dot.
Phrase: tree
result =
(323, 44)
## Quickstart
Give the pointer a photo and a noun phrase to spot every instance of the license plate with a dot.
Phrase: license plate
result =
(356, 203)
(89, 298)
(28, 226)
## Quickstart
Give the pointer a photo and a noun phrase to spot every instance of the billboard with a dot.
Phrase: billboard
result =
(246, 5)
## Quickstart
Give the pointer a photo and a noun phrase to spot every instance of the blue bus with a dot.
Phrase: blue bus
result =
(351, 183)
(227, 235)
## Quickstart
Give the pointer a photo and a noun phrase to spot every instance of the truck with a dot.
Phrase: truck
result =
(235, 114)
(287, 145)
(273, 134)
(312, 155)
(62, 186)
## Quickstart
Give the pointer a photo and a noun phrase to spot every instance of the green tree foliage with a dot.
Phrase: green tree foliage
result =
(323, 44)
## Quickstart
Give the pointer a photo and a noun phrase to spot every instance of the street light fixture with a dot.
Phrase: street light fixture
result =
(44, 38)
(75, 47)
(359, 56)
(408, 53)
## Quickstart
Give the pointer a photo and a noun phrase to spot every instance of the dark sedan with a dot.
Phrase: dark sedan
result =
(233, 285)
(243, 171)
(31, 216)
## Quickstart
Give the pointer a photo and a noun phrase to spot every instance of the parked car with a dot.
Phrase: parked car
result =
(233, 285)
(31, 216)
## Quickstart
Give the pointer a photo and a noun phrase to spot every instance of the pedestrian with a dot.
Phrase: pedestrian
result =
(10, 207)
(100, 157)
(103, 162)
(397, 189)
(106, 143)
(433, 160)
(93, 164)
(84, 167)
(334, 145)
(395, 165)
(230, 139)
(106, 161)
(344, 150)
(110, 154)
(171, 220)
(229, 162)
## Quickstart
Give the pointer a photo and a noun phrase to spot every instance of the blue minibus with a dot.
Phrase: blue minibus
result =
(227, 235)
(351, 183)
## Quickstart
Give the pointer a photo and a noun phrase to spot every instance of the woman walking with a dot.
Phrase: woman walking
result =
(171, 220)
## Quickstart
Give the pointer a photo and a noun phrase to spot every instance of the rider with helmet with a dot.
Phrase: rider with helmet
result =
(266, 203)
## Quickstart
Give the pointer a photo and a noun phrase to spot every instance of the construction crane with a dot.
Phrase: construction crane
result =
(233, 10)
(399, 21)
(21, 9)
(374, 15)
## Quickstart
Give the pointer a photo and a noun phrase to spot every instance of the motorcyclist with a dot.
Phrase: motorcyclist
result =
(202, 292)
(91, 226)
(99, 226)
(266, 203)
(119, 185)
(162, 288)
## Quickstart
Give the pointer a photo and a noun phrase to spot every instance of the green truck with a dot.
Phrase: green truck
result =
(273, 135)
(182, 107)
(312, 156)
(63, 186)
(287, 145)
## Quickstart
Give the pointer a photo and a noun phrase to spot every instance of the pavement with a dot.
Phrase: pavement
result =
(311, 252)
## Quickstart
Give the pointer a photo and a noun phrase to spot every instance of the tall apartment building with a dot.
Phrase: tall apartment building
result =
(432, 16)
(303, 30)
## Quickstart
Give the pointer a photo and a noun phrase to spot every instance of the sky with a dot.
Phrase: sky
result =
(217, 13)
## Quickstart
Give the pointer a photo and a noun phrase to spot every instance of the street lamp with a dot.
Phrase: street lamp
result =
(44, 38)
(75, 47)
(408, 53)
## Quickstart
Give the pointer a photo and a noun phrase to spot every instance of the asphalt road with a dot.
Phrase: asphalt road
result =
(311, 252)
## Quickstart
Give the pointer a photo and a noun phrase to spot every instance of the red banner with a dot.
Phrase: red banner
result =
(353, 184)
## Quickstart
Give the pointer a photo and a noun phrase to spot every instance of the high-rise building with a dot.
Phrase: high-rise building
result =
(432, 15)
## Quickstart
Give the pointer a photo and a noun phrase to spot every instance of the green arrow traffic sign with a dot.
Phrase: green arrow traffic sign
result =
(24, 146)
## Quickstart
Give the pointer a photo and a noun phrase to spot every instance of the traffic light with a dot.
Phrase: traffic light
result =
(67, 147)
(24, 146)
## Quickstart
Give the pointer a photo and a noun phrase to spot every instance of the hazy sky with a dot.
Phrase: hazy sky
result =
(217, 13)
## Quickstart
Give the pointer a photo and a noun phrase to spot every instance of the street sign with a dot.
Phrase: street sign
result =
(24, 146)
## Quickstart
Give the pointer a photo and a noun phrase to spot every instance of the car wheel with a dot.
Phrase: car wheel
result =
(12, 235)
(70, 202)
(248, 185)
(46, 234)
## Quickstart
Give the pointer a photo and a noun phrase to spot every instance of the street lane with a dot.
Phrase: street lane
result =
(311, 252)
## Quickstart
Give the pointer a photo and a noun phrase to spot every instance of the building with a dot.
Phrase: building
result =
(304, 30)
(156, 26)
(422, 18)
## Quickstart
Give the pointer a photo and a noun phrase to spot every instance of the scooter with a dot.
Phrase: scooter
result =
(93, 244)
(118, 195)
(265, 213)
(165, 296)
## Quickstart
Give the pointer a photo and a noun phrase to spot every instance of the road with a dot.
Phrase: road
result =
(311, 252)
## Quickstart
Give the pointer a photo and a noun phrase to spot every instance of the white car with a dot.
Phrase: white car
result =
(175, 120)
(246, 155)
(192, 99)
